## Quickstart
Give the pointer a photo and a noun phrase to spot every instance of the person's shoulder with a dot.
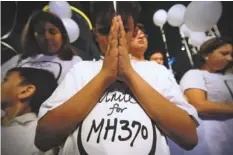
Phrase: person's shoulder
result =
(194, 72)
(154, 70)
(87, 64)
(161, 69)
(190, 74)
(193, 77)
(152, 65)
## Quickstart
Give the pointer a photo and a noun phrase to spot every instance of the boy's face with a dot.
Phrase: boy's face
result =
(102, 32)
(14, 90)
(10, 88)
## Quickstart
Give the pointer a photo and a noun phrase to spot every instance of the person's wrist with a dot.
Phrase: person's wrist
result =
(106, 79)
(129, 75)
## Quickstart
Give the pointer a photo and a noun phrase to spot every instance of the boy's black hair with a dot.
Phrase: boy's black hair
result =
(43, 80)
(156, 51)
(102, 12)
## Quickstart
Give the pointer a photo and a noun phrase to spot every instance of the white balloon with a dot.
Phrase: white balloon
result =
(201, 16)
(175, 16)
(160, 17)
(60, 8)
(197, 38)
(72, 29)
(208, 38)
(185, 30)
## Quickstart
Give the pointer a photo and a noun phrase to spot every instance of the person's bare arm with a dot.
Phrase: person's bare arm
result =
(58, 124)
(198, 99)
(175, 122)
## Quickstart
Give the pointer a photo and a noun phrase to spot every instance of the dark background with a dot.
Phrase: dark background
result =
(181, 65)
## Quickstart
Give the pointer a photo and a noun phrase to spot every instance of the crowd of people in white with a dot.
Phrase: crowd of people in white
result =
(53, 102)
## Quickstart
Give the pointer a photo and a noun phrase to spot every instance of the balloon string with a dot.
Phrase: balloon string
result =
(115, 7)
(14, 23)
(188, 52)
(212, 33)
(194, 49)
(187, 48)
(166, 48)
(217, 31)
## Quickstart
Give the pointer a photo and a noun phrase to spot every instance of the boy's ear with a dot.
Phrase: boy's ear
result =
(26, 91)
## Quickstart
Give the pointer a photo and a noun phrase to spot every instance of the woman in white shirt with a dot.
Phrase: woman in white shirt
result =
(45, 44)
(139, 43)
(210, 91)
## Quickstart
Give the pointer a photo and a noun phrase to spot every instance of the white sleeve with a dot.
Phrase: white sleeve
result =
(71, 84)
(193, 79)
(8, 65)
(174, 94)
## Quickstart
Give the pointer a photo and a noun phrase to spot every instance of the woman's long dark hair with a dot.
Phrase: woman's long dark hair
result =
(29, 44)
(209, 47)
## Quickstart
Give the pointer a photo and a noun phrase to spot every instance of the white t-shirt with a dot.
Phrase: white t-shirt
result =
(18, 137)
(51, 63)
(216, 134)
(117, 125)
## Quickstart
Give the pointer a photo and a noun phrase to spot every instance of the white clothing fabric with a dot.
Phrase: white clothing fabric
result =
(18, 137)
(215, 133)
(51, 63)
(117, 124)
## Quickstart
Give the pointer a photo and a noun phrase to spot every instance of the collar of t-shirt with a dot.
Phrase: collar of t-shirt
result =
(24, 119)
